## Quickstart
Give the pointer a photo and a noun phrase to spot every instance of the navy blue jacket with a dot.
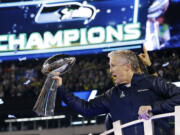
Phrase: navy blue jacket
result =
(123, 102)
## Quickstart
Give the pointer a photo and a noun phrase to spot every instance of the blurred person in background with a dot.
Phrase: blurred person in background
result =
(163, 31)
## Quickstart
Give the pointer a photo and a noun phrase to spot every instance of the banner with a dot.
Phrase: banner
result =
(40, 28)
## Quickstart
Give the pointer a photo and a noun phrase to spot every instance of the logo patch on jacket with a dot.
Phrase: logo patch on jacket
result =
(142, 90)
(122, 94)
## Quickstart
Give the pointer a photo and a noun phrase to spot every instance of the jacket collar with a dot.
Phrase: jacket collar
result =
(136, 78)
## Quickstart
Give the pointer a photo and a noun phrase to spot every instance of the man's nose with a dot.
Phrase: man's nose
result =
(110, 69)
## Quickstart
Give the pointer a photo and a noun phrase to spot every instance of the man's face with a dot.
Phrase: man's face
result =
(119, 70)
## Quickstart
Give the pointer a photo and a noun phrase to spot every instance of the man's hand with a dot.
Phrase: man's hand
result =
(145, 112)
(59, 80)
(144, 57)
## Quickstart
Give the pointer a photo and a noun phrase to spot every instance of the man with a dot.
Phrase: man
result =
(134, 94)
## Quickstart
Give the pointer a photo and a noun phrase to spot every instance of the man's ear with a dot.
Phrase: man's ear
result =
(128, 67)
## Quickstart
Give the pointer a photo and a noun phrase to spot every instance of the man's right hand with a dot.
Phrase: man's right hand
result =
(59, 80)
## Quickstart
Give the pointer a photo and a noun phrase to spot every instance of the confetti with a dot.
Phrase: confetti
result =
(22, 59)
(165, 64)
(27, 82)
(144, 116)
(1, 101)
(11, 116)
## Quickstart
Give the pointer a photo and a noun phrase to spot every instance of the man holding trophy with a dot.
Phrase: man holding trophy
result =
(134, 95)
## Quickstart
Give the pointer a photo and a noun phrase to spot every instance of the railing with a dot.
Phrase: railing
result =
(148, 130)
(51, 122)
(33, 120)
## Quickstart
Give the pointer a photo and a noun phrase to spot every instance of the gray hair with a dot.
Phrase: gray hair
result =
(126, 56)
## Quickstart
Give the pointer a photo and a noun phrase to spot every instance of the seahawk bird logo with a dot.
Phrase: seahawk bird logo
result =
(70, 11)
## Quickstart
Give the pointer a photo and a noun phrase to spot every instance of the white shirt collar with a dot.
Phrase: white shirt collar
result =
(128, 85)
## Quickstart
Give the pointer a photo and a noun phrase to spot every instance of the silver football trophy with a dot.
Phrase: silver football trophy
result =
(55, 65)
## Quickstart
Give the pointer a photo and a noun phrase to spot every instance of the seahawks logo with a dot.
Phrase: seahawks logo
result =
(61, 12)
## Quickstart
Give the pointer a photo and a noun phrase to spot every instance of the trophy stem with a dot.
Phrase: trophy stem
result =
(45, 104)
(48, 96)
